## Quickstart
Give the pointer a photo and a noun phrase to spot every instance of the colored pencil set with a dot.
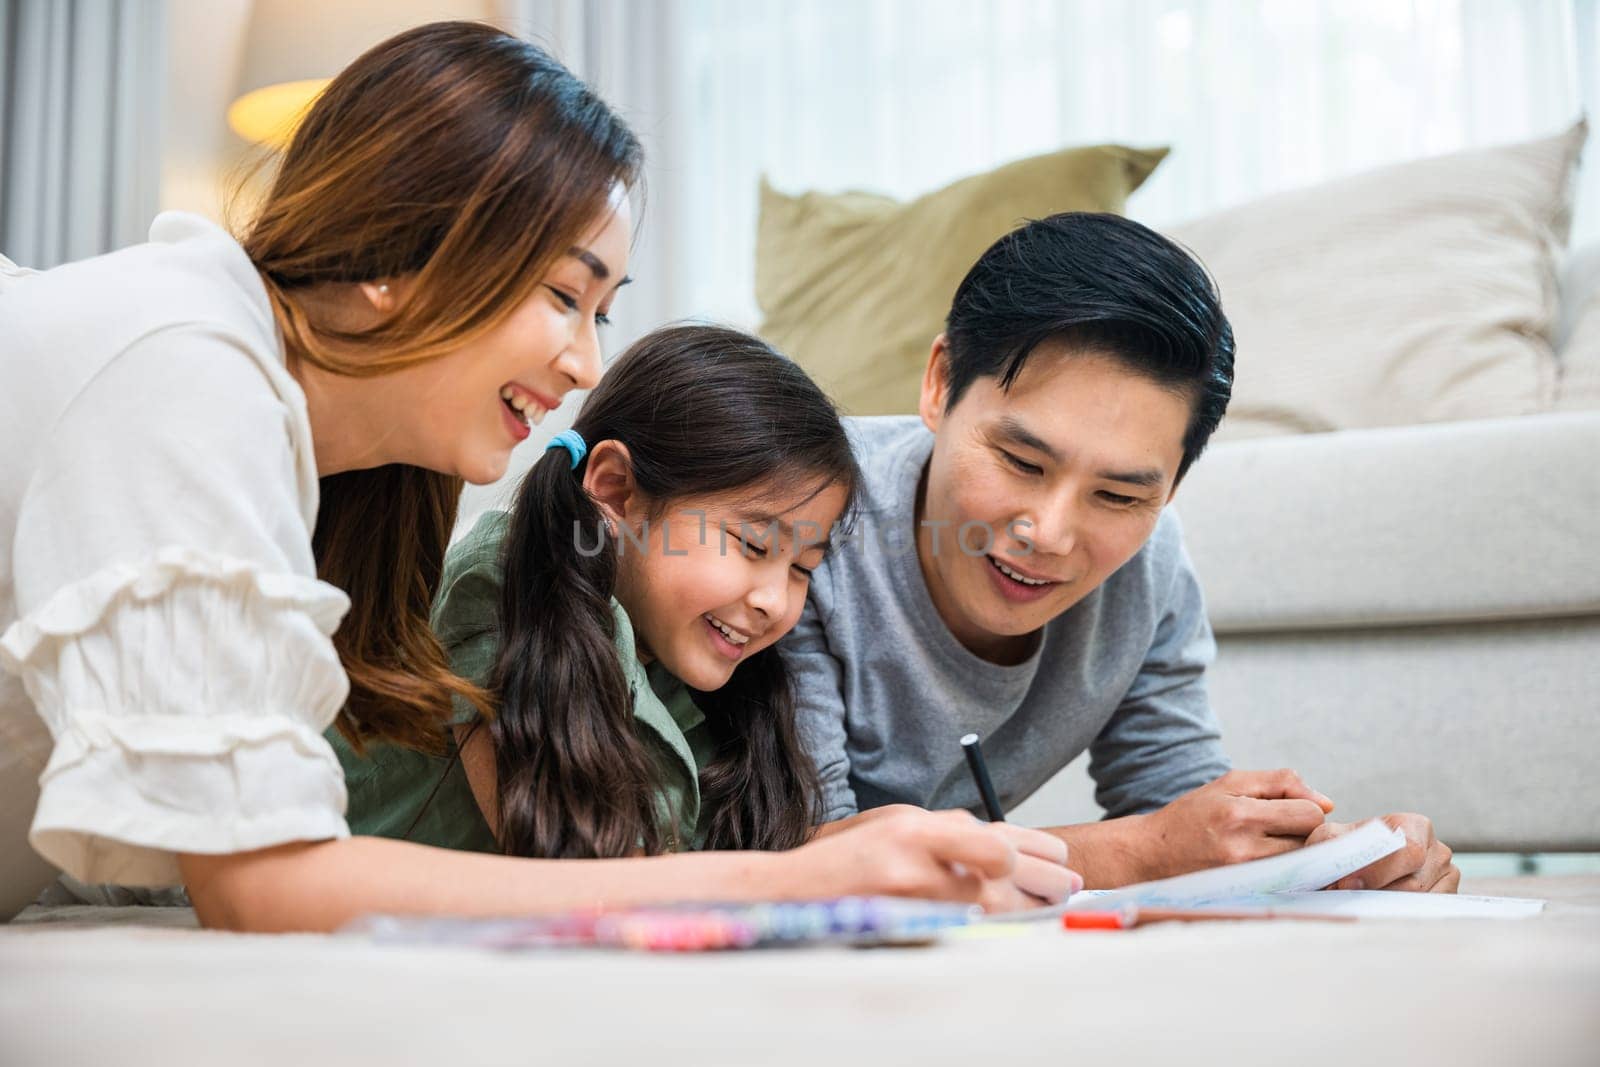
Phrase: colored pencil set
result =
(687, 928)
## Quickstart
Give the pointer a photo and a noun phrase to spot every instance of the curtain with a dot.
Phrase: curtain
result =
(631, 51)
(1253, 96)
(80, 99)
(903, 96)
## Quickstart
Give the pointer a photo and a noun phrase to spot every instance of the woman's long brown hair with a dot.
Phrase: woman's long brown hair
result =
(469, 161)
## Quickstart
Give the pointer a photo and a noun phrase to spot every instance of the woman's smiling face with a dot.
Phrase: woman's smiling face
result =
(479, 402)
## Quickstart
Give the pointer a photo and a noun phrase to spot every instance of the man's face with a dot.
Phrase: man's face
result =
(1069, 469)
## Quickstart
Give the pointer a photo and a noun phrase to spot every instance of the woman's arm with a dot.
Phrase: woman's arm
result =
(320, 886)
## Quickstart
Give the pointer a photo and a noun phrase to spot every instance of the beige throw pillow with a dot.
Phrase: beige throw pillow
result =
(855, 286)
(1417, 293)
(1579, 355)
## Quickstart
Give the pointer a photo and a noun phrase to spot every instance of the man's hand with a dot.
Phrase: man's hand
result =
(1422, 866)
(1244, 815)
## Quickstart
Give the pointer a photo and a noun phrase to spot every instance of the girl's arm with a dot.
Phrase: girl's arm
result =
(859, 818)
(320, 886)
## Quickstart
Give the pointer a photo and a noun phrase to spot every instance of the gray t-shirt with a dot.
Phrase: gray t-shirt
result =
(885, 691)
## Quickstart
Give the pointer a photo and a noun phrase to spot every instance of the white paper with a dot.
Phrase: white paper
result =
(1377, 904)
(1292, 883)
(1300, 871)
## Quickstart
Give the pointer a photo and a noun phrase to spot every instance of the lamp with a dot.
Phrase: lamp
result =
(294, 47)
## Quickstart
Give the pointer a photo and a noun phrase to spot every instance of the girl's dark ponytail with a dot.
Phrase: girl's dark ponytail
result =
(761, 790)
(574, 778)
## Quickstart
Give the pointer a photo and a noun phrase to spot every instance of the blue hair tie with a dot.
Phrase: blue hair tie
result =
(572, 441)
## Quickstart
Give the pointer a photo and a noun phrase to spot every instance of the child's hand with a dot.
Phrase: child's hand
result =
(942, 855)
(860, 818)
(1041, 872)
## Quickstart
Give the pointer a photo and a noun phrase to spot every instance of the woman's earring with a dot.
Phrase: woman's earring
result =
(611, 526)
(384, 289)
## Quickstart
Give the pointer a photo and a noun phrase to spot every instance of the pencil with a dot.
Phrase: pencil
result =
(980, 775)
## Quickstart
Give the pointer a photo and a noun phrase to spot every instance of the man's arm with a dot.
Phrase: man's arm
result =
(1243, 815)
(1160, 770)
(817, 677)
(817, 680)
(1163, 740)
(1161, 773)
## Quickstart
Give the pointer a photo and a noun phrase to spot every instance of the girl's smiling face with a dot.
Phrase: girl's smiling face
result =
(710, 583)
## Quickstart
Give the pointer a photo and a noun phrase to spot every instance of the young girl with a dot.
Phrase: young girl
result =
(624, 616)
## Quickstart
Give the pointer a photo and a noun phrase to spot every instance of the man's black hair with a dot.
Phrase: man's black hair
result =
(1097, 284)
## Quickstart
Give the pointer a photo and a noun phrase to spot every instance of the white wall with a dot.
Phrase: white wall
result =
(202, 159)
(205, 45)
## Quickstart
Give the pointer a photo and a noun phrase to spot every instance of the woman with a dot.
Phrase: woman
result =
(229, 476)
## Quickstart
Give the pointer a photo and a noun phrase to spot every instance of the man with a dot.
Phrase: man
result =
(1015, 572)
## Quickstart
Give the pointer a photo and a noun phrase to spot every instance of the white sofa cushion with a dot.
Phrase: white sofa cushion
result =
(1491, 519)
(1411, 718)
(1417, 293)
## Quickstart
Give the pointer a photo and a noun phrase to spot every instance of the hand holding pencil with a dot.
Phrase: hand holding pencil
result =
(1042, 870)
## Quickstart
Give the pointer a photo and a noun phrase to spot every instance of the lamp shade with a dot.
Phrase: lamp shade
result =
(293, 48)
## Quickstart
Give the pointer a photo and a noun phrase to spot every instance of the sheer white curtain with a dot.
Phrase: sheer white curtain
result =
(1254, 96)
(631, 50)
(80, 112)
(903, 96)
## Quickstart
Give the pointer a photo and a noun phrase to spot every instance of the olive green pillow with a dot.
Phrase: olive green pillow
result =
(856, 286)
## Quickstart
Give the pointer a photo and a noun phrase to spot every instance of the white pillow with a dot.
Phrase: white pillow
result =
(1579, 344)
(1422, 292)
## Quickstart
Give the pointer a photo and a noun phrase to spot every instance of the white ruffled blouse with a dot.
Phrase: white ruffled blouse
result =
(171, 667)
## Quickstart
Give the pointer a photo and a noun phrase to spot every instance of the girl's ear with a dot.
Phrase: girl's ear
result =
(608, 479)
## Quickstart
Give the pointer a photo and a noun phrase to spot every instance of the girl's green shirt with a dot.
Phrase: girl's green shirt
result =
(399, 792)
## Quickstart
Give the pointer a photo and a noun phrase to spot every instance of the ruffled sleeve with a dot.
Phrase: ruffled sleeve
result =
(172, 633)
